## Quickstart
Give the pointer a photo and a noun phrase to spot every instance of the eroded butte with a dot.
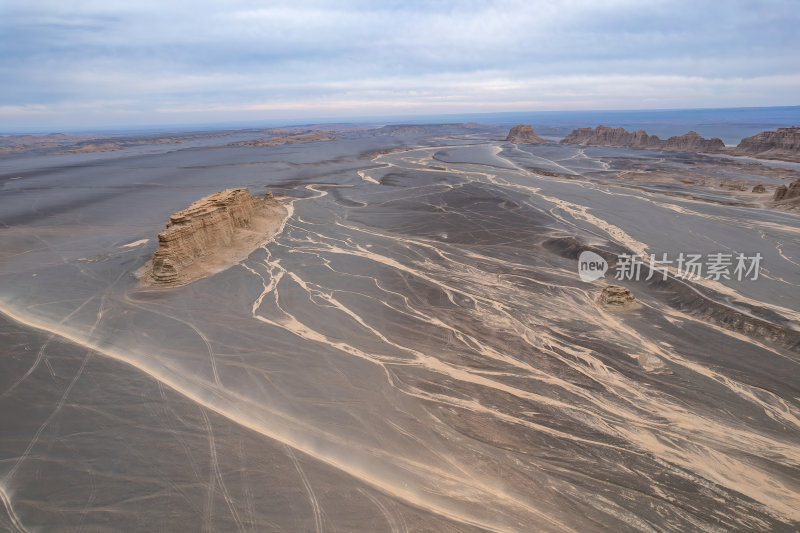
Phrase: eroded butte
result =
(211, 235)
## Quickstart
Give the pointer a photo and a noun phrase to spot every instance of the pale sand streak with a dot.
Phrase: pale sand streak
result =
(641, 430)
(225, 407)
(754, 482)
(645, 438)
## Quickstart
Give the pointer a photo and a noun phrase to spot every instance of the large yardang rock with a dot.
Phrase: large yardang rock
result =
(693, 142)
(211, 235)
(787, 193)
(783, 143)
(620, 137)
(615, 297)
(605, 136)
(524, 134)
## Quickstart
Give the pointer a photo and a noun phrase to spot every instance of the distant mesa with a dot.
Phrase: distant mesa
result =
(427, 129)
(524, 134)
(622, 138)
(783, 143)
(615, 297)
(211, 235)
(311, 136)
(89, 148)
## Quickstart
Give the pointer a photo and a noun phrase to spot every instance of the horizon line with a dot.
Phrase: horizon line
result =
(377, 119)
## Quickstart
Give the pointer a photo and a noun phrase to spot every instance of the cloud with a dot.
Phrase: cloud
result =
(197, 57)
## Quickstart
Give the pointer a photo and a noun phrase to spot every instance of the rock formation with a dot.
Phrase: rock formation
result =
(605, 136)
(212, 234)
(311, 136)
(89, 148)
(787, 193)
(783, 143)
(428, 129)
(524, 134)
(650, 362)
(760, 189)
(616, 298)
(620, 137)
(693, 142)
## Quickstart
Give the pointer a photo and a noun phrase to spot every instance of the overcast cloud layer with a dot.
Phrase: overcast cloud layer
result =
(109, 62)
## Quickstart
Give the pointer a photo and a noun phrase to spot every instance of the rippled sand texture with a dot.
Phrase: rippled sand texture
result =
(406, 355)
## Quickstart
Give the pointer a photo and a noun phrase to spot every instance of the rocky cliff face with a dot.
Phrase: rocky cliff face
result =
(787, 193)
(693, 142)
(783, 143)
(605, 136)
(524, 134)
(212, 234)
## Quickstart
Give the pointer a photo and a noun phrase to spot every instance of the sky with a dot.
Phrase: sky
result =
(102, 63)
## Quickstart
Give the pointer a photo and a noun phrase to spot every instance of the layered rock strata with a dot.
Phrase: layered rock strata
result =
(787, 193)
(783, 143)
(693, 142)
(212, 234)
(620, 137)
(524, 134)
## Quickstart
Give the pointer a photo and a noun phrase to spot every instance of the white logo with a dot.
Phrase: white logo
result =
(591, 266)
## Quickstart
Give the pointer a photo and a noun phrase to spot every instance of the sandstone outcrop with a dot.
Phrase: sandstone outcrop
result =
(524, 134)
(620, 137)
(783, 143)
(693, 142)
(615, 297)
(211, 235)
(605, 136)
(787, 193)
(760, 189)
